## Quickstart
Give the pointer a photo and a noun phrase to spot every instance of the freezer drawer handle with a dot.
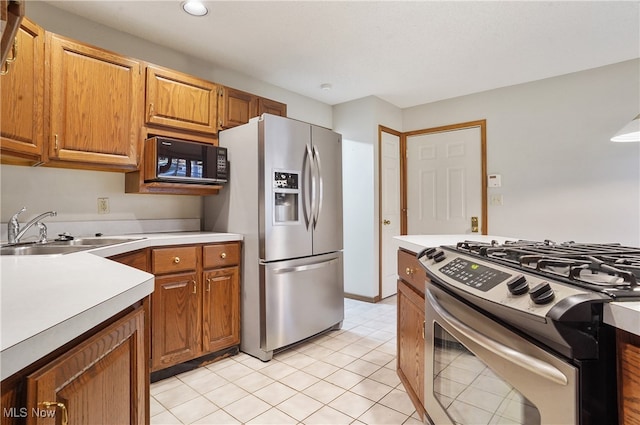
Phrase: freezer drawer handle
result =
(522, 360)
(305, 267)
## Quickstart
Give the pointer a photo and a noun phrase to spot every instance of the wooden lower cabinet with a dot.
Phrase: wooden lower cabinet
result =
(221, 309)
(628, 377)
(175, 316)
(102, 379)
(410, 332)
(196, 303)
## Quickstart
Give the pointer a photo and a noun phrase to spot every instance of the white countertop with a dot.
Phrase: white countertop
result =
(47, 301)
(623, 315)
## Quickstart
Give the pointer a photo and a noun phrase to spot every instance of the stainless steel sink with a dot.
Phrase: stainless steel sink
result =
(61, 247)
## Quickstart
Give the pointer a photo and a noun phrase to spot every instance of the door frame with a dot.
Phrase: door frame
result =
(482, 124)
(383, 129)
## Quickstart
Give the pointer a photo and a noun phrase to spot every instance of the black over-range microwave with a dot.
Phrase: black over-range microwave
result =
(180, 161)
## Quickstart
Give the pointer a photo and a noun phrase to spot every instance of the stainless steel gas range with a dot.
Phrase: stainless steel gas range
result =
(514, 332)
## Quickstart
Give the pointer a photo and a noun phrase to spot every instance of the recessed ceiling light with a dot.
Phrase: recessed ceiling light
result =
(195, 8)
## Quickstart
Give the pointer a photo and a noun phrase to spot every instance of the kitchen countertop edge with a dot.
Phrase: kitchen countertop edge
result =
(622, 315)
(47, 332)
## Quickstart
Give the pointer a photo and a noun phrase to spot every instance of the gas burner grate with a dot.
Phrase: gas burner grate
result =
(602, 267)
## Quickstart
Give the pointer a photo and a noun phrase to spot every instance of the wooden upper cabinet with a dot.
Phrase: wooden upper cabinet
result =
(11, 15)
(268, 106)
(180, 101)
(237, 107)
(95, 105)
(22, 86)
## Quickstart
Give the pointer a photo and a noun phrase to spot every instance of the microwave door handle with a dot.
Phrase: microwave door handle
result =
(521, 360)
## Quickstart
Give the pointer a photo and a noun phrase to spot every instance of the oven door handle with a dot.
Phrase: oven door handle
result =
(522, 360)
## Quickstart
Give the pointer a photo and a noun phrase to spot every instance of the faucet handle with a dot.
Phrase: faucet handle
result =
(15, 216)
(42, 232)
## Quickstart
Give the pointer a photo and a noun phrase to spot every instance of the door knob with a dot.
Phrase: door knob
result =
(386, 222)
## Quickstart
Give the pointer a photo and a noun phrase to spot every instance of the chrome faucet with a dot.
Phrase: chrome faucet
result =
(14, 232)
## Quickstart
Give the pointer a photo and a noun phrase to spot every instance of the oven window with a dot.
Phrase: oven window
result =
(470, 392)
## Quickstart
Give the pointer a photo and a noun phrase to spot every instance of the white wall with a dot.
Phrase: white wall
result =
(562, 179)
(358, 121)
(74, 193)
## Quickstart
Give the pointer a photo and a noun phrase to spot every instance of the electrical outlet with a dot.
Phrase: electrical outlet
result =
(495, 199)
(103, 205)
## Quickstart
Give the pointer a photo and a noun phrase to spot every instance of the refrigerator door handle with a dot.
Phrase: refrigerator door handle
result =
(305, 267)
(308, 199)
(320, 189)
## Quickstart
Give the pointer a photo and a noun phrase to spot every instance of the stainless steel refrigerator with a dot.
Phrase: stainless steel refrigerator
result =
(285, 196)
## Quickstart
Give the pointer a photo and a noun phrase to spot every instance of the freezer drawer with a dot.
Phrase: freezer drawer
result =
(300, 298)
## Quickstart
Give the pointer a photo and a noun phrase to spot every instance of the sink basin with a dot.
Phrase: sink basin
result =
(44, 249)
(92, 242)
(61, 247)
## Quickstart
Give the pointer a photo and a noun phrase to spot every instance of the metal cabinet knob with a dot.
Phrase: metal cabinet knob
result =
(409, 271)
(176, 260)
(223, 255)
(386, 222)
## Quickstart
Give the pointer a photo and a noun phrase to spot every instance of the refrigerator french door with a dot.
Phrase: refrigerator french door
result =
(285, 196)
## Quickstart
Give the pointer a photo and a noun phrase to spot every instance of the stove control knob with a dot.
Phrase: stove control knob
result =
(439, 256)
(542, 293)
(519, 286)
(429, 252)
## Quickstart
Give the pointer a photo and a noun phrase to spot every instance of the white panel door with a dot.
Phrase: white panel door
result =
(390, 211)
(444, 182)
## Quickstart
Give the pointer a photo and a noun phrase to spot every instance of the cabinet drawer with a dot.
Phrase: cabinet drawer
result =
(410, 270)
(221, 255)
(176, 259)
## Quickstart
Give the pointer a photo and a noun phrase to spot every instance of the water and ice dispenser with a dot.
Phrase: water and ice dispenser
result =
(286, 195)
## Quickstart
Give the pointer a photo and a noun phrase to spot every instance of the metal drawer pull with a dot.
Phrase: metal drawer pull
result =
(176, 260)
(519, 359)
(195, 287)
(63, 408)
(208, 284)
(223, 255)
(410, 271)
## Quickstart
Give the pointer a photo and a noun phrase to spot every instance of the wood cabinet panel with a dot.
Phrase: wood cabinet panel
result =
(11, 14)
(137, 259)
(181, 101)
(221, 309)
(22, 100)
(174, 259)
(411, 342)
(103, 380)
(236, 107)
(628, 377)
(175, 317)
(95, 105)
(221, 255)
(410, 270)
(272, 107)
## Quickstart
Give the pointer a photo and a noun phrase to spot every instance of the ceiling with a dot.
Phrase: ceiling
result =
(405, 52)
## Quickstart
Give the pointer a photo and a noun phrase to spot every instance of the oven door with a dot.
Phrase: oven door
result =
(479, 372)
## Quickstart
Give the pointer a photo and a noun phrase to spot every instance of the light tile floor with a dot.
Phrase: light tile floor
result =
(342, 377)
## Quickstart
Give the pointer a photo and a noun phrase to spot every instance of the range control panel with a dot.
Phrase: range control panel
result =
(473, 274)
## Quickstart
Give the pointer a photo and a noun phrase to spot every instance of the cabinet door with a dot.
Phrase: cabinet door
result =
(272, 107)
(95, 105)
(411, 343)
(21, 123)
(104, 380)
(175, 318)
(181, 101)
(236, 107)
(221, 309)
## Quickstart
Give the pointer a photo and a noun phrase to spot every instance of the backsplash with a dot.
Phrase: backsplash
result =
(114, 227)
